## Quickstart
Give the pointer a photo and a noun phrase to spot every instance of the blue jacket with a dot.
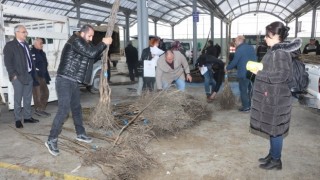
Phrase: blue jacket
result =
(244, 53)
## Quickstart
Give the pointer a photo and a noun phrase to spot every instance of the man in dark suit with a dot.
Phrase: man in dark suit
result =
(132, 60)
(21, 71)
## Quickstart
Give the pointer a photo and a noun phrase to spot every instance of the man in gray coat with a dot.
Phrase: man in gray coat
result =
(21, 73)
(172, 67)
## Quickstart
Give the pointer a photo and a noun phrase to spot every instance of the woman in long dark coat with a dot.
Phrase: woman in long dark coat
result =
(271, 100)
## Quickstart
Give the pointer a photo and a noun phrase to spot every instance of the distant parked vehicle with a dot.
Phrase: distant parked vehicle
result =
(254, 40)
(166, 44)
(312, 98)
(187, 46)
(94, 84)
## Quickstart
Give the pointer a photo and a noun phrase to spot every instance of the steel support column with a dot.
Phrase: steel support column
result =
(124, 37)
(212, 26)
(296, 28)
(226, 50)
(77, 4)
(143, 33)
(221, 38)
(126, 29)
(313, 26)
(172, 31)
(155, 27)
(143, 29)
(195, 40)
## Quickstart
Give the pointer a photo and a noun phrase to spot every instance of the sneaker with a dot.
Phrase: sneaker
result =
(244, 109)
(84, 138)
(52, 146)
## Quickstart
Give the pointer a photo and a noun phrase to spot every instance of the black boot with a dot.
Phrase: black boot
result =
(272, 164)
(265, 159)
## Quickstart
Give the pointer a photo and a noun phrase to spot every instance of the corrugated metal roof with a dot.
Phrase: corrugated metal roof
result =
(286, 10)
(167, 11)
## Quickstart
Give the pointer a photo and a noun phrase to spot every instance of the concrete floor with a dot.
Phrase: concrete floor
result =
(222, 148)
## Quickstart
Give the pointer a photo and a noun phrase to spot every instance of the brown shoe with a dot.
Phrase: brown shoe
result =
(209, 100)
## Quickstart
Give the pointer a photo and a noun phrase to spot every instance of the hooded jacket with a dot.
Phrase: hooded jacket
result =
(271, 99)
(77, 59)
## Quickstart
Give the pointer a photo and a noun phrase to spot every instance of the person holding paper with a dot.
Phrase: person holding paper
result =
(156, 52)
(213, 76)
(172, 67)
(150, 56)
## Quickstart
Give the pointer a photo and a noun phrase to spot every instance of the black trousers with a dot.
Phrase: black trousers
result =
(218, 77)
(133, 71)
(148, 83)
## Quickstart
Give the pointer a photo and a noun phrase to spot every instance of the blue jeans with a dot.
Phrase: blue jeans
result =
(180, 83)
(208, 80)
(244, 92)
(68, 98)
(276, 146)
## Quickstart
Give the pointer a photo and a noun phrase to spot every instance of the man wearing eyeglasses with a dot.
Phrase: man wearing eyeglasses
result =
(21, 71)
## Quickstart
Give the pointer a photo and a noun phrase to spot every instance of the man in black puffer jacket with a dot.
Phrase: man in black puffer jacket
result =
(76, 64)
